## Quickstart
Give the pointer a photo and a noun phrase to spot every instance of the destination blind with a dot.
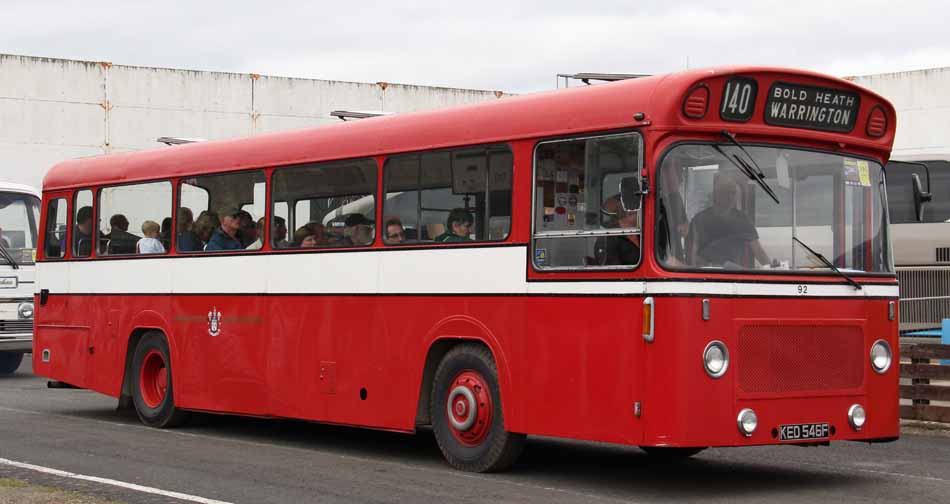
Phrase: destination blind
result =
(811, 107)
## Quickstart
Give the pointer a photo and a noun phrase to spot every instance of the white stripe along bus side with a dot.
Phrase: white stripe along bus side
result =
(477, 271)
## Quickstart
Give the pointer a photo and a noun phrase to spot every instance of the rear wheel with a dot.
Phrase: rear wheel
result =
(9, 362)
(467, 415)
(152, 392)
(670, 453)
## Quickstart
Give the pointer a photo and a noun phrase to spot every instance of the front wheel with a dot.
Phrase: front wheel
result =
(467, 415)
(9, 362)
(152, 392)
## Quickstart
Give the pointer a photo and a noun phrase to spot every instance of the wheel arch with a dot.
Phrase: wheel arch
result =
(447, 334)
(142, 323)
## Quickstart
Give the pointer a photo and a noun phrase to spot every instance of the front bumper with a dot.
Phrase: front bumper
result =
(21, 343)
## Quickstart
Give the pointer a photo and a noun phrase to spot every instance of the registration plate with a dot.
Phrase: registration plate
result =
(797, 432)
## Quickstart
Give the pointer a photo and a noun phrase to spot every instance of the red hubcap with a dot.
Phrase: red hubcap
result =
(153, 379)
(469, 408)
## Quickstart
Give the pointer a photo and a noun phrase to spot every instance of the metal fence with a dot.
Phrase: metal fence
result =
(925, 296)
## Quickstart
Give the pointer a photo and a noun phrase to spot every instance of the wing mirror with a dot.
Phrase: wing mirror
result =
(920, 197)
(631, 190)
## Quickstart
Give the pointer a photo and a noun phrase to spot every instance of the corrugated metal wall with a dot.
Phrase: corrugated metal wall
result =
(52, 109)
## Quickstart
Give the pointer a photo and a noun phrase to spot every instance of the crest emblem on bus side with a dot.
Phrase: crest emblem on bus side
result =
(214, 322)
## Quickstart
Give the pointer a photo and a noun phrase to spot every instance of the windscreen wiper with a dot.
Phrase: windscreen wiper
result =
(6, 255)
(823, 259)
(748, 171)
(756, 173)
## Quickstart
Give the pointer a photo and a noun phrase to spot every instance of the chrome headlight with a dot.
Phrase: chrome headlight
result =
(716, 359)
(747, 421)
(880, 356)
(25, 310)
(856, 416)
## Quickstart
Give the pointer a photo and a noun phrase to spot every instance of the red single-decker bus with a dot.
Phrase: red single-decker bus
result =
(674, 262)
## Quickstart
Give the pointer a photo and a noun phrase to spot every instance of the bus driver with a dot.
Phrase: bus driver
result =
(721, 235)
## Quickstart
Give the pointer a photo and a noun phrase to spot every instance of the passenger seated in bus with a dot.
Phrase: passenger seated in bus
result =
(672, 222)
(394, 231)
(151, 244)
(165, 236)
(225, 237)
(259, 230)
(204, 227)
(186, 237)
(309, 236)
(247, 230)
(120, 240)
(357, 230)
(459, 224)
(3, 241)
(314, 229)
(279, 233)
(722, 235)
(82, 232)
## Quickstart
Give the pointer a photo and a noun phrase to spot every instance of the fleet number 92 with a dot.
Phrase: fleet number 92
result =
(802, 289)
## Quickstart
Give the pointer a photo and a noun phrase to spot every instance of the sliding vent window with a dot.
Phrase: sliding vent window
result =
(135, 219)
(326, 205)
(448, 196)
(56, 216)
(82, 224)
(587, 203)
(220, 213)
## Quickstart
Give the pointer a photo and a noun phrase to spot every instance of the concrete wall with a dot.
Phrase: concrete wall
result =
(922, 100)
(52, 109)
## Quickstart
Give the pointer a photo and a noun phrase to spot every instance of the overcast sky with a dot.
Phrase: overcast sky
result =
(507, 45)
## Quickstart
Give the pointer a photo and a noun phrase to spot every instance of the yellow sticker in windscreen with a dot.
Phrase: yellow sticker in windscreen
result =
(864, 173)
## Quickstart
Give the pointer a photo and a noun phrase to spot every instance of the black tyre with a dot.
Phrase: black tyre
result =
(9, 362)
(152, 392)
(467, 414)
(671, 454)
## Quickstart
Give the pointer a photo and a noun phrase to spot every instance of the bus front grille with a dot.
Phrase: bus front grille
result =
(15, 326)
(800, 358)
(925, 296)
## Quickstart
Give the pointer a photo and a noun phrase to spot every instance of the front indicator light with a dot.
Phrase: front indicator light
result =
(880, 356)
(856, 416)
(716, 359)
(747, 421)
(648, 325)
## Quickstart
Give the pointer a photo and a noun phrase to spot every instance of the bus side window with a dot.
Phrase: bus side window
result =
(582, 216)
(220, 212)
(450, 196)
(82, 224)
(334, 204)
(129, 214)
(56, 216)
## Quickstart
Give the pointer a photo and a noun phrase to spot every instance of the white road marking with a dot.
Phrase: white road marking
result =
(874, 471)
(112, 482)
(356, 458)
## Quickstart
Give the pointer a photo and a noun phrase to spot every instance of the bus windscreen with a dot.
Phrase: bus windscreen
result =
(19, 217)
(713, 217)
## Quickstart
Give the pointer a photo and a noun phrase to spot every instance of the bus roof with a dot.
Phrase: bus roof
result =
(551, 113)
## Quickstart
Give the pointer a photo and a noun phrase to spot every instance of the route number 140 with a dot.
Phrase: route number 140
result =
(738, 99)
